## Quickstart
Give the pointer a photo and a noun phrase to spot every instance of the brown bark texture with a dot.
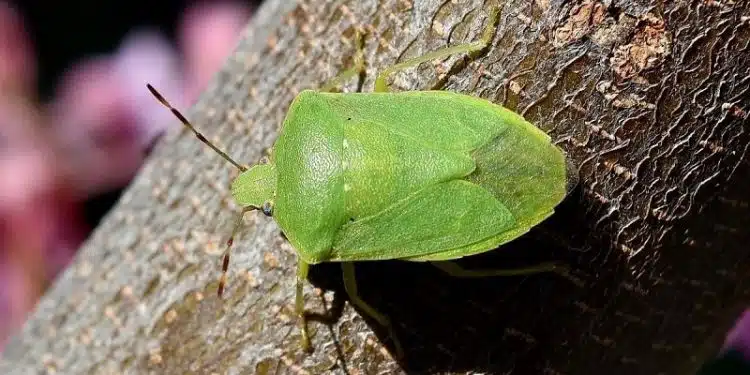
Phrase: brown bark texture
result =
(649, 98)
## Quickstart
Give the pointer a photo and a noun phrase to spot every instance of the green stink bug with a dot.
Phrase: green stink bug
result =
(459, 176)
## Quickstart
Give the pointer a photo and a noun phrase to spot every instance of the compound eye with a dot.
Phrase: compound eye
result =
(267, 208)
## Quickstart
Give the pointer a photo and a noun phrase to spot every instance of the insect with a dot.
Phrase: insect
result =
(426, 176)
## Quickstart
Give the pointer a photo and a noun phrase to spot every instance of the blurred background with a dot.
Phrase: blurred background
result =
(76, 120)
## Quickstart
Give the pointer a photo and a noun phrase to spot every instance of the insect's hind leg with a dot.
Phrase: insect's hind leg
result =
(299, 303)
(350, 284)
(473, 49)
(357, 69)
(453, 269)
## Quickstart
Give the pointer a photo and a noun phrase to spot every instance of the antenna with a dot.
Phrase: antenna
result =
(190, 126)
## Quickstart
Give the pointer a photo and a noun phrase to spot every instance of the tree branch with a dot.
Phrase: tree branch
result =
(650, 100)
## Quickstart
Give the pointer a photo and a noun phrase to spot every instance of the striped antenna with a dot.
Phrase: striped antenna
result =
(190, 126)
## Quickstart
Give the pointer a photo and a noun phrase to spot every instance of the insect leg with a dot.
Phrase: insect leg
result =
(299, 303)
(350, 284)
(230, 241)
(358, 69)
(473, 49)
(453, 269)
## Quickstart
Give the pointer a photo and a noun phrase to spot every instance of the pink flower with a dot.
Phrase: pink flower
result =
(17, 64)
(738, 338)
(207, 35)
(105, 118)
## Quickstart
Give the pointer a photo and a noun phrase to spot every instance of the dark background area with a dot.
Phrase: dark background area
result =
(63, 32)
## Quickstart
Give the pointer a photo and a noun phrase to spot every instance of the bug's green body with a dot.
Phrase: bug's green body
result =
(418, 176)
(423, 175)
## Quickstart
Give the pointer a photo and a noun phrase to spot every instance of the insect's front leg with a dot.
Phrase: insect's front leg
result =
(357, 69)
(299, 303)
(350, 284)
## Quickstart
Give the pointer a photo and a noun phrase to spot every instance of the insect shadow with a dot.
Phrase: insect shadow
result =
(447, 323)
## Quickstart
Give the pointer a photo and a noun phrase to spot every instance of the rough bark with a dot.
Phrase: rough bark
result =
(649, 98)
